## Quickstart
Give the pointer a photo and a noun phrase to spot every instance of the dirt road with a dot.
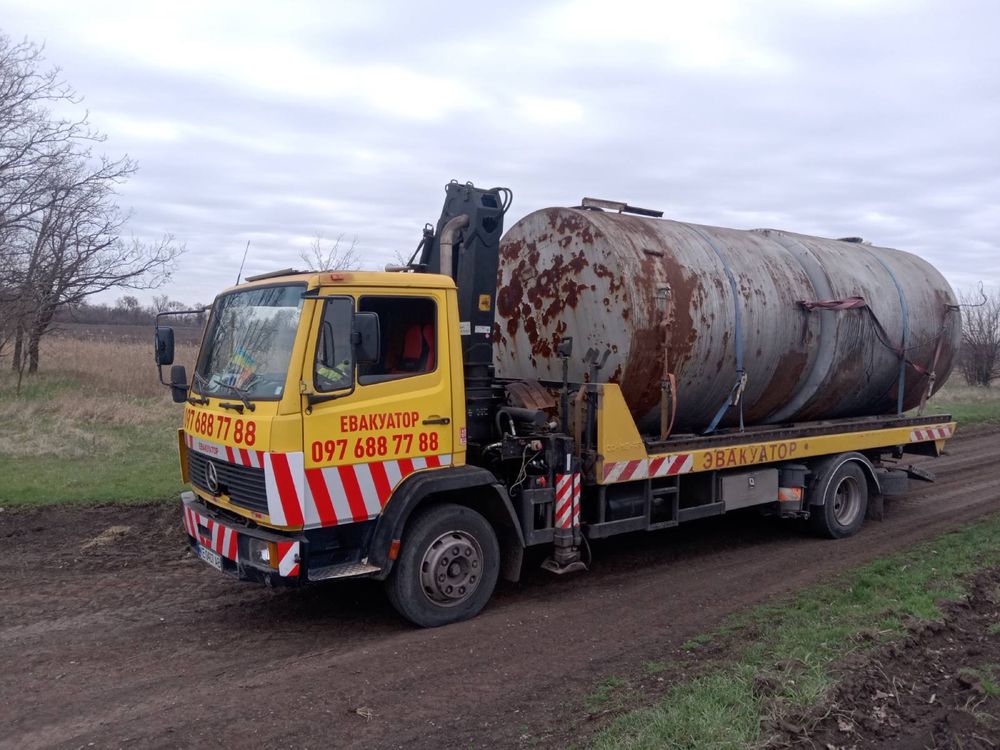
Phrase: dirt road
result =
(122, 638)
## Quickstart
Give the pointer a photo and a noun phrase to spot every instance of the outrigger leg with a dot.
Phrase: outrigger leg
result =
(567, 537)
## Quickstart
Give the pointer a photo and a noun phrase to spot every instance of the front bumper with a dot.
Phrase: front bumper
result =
(227, 545)
(233, 547)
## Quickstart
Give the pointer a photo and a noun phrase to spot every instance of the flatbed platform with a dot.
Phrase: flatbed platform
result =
(762, 433)
(624, 455)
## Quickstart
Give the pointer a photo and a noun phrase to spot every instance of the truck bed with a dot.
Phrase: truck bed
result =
(623, 454)
(762, 433)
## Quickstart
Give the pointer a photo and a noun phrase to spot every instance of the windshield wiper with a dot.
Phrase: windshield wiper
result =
(201, 390)
(240, 394)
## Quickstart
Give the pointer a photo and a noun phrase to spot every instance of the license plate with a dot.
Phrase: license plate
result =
(212, 558)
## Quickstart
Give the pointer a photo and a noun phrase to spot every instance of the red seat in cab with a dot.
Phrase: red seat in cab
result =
(418, 350)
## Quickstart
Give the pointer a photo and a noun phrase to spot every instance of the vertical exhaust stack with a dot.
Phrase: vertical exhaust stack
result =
(466, 247)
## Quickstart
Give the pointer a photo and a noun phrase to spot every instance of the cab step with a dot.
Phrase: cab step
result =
(343, 570)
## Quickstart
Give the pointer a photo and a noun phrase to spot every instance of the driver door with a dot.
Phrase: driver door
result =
(388, 418)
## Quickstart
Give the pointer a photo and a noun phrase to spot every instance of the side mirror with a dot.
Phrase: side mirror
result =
(178, 380)
(366, 338)
(164, 352)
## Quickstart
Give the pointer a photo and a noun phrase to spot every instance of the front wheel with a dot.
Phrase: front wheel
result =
(447, 567)
(844, 503)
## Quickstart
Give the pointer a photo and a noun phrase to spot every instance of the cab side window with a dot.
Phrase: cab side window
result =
(408, 327)
(334, 367)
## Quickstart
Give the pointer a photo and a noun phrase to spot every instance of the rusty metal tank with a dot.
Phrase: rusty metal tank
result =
(709, 302)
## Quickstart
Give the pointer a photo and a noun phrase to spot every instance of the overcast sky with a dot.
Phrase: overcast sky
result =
(275, 122)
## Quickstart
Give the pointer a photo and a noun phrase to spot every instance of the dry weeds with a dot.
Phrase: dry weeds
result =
(84, 389)
(957, 391)
(121, 366)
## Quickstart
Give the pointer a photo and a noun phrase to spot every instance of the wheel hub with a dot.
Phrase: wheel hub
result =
(846, 501)
(451, 568)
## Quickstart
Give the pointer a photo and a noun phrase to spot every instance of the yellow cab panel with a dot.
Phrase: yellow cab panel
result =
(369, 424)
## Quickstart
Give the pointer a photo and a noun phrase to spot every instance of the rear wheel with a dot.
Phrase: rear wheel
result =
(844, 505)
(447, 566)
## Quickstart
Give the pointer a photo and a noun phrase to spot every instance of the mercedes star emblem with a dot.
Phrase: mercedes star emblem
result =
(212, 478)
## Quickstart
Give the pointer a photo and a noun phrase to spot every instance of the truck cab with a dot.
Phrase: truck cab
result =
(314, 398)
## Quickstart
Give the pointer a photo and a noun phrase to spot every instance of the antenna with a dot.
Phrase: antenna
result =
(240, 273)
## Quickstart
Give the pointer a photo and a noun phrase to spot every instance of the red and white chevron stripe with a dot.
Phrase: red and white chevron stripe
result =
(224, 540)
(221, 539)
(288, 559)
(930, 433)
(284, 480)
(625, 471)
(240, 456)
(320, 496)
(567, 500)
(666, 466)
(333, 495)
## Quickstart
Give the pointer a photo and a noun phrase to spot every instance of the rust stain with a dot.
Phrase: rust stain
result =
(785, 381)
(498, 336)
(647, 348)
(539, 291)
(569, 222)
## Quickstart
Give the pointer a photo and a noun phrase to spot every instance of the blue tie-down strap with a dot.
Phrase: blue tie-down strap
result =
(735, 398)
(735, 394)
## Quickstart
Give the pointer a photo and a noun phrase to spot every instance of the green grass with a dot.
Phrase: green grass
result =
(143, 466)
(654, 666)
(697, 642)
(968, 405)
(612, 694)
(793, 646)
(985, 676)
(69, 439)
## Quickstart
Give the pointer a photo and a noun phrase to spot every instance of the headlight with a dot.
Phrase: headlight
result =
(260, 551)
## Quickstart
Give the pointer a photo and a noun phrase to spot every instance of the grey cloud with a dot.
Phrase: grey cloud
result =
(878, 120)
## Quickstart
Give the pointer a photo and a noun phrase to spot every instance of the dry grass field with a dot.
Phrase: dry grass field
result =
(93, 425)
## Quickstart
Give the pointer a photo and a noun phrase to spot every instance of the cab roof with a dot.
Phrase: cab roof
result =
(316, 279)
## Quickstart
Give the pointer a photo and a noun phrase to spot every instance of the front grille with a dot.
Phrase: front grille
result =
(243, 484)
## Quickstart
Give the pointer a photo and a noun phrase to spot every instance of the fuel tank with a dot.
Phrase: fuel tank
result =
(711, 305)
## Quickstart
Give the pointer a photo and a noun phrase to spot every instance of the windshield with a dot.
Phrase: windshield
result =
(249, 343)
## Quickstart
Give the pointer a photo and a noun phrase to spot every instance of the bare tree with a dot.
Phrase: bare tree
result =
(979, 358)
(337, 256)
(33, 144)
(9, 315)
(61, 230)
(77, 249)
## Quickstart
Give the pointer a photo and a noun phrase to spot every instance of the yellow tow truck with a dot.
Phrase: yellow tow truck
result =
(349, 424)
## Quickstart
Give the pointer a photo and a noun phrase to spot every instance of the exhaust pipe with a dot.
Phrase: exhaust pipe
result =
(448, 236)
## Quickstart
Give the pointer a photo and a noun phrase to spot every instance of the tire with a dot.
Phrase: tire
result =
(845, 503)
(458, 543)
